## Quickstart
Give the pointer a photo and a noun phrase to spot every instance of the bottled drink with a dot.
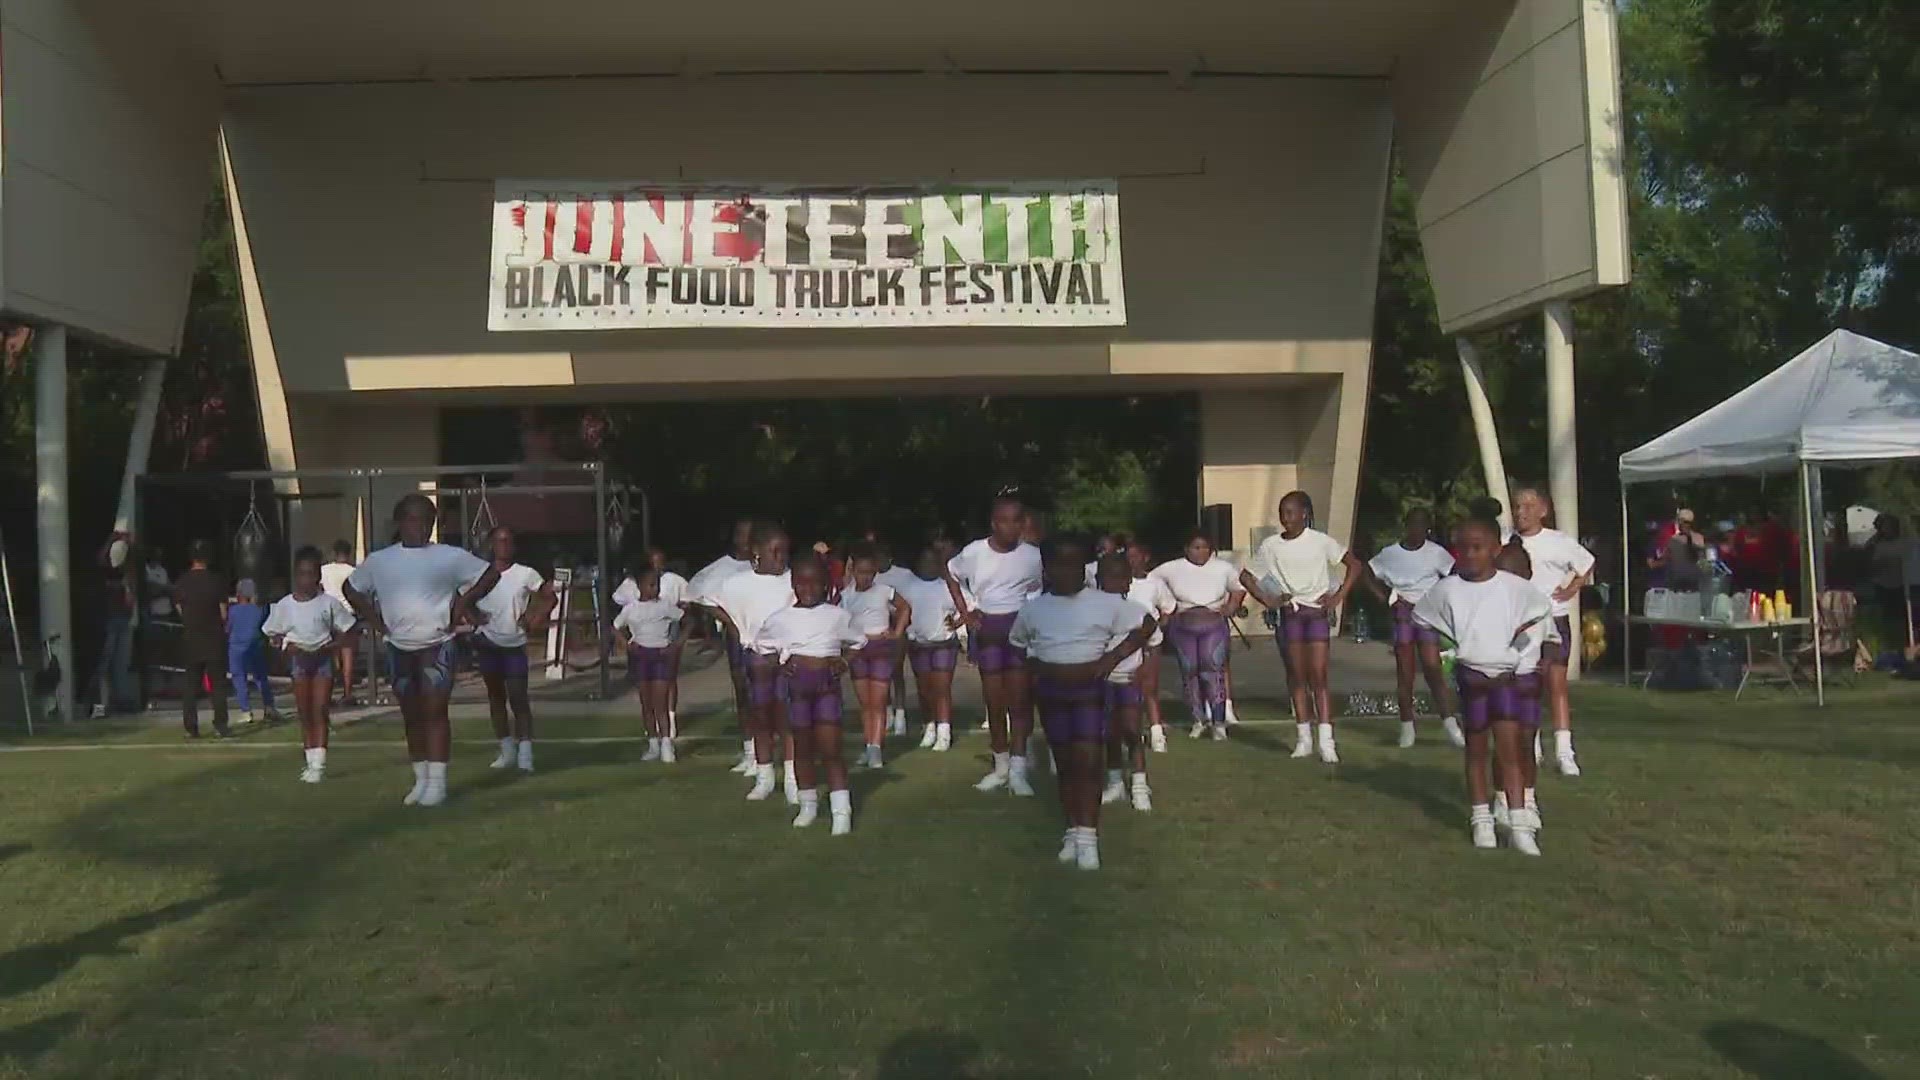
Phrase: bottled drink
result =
(1360, 627)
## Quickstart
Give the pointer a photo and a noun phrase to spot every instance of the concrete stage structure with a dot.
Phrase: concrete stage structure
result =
(1251, 143)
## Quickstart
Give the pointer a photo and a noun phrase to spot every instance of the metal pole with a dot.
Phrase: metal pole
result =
(1626, 592)
(601, 592)
(374, 650)
(50, 467)
(1481, 408)
(1563, 459)
(1819, 672)
(140, 443)
(13, 625)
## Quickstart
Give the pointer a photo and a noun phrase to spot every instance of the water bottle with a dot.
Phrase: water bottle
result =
(1360, 627)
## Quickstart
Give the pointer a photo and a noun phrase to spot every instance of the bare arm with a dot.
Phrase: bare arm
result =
(902, 615)
(1355, 571)
(1253, 589)
(539, 606)
(363, 607)
(1231, 604)
(463, 603)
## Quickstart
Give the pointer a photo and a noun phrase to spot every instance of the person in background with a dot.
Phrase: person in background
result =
(1400, 575)
(333, 575)
(1886, 570)
(113, 678)
(1764, 554)
(200, 595)
(516, 606)
(1561, 568)
(308, 624)
(247, 651)
(650, 628)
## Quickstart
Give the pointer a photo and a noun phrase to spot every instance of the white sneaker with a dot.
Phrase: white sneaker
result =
(943, 741)
(1114, 791)
(310, 775)
(928, 735)
(763, 784)
(792, 785)
(1502, 814)
(508, 754)
(744, 766)
(1568, 766)
(1526, 832)
(899, 722)
(526, 755)
(1157, 738)
(257, 716)
(1070, 846)
(1017, 782)
(1302, 749)
(1142, 795)
(99, 713)
(419, 784)
(1232, 720)
(1482, 824)
(842, 823)
(435, 793)
(809, 813)
(1454, 735)
(1406, 735)
(653, 751)
(666, 752)
(1538, 757)
(1087, 852)
(1328, 754)
(1219, 733)
(993, 781)
(1198, 729)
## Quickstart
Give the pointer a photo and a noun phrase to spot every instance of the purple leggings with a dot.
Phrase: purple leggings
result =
(1200, 639)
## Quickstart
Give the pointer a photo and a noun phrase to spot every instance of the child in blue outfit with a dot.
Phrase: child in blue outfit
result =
(247, 650)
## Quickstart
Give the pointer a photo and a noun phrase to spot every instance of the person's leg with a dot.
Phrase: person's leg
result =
(872, 696)
(1509, 737)
(1315, 654)
(1184, 643)
(1211, 642)
(348, 654)
(522, 708)
(216, 675)
(257, 670)
(195, 673)
(1405, 661)
(496, 686)
(827, 720)
(1474, 717)
(1554, 676)
(936, 696)
(1300, 691)
(237, 671)
(1149, 681)
(437, 734)
(1226, 677)
(1080, 773)
(1020, 724)
(411, 721)
(1444, 702)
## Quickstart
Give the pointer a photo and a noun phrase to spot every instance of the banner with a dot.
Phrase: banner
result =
(598, 256)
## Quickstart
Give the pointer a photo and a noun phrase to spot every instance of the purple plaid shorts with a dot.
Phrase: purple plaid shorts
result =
(1408, 632)
(1121, 695)
(1305, 625)
(766, 680)
(419, 670)
(1556, 652)
(491, 659)
(992, 652)
(1071, 709)
(934, 657)
(875, 660)
(813, 698)
(310, 665)
(647, 663)
(736, 659)
(1484, 699)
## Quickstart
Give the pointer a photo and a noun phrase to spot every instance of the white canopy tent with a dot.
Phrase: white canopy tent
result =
(1847, 401)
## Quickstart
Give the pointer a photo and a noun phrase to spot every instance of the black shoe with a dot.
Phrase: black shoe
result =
(223, 733)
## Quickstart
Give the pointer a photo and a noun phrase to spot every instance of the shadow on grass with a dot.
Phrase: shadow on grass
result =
(1436, 792)
(29, 968)
(8, 851)
(934, 1055)
(36, 1037)
(1774, 1053)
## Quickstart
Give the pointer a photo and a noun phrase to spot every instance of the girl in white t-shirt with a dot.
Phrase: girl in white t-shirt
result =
(1292, 573)
(1150, 593)
(1498, 623)
(649, 626)
(1561, 568)
(744, 603)
(310, 624)
(1125, 693)
(810, 639)
(1400, 575)
(703, 600)
(333, 575)
(933, 645)
(516, 606)
(1203, 589)
(897, 577)
(1000, 572)
(881, 615)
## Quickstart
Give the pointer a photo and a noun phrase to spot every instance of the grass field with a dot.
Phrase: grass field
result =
(1728, 892)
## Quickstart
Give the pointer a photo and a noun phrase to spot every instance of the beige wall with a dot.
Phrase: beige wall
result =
(1509, 132)
(106, 168)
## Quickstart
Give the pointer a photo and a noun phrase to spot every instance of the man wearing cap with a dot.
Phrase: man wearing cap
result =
(247, 650)
(113, 679)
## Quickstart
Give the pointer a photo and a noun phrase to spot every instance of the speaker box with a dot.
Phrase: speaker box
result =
(1217, 520)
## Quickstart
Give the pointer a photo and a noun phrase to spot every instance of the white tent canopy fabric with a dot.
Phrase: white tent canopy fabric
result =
(1847, 400)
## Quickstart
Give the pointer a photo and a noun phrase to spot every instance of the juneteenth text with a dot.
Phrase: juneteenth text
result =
(603, 285)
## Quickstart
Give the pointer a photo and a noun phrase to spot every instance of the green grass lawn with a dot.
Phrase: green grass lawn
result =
(1728, 892)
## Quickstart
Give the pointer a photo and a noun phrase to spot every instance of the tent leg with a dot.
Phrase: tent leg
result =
(1626, 593)
(1481, 408)
(1563, 465)
(1806, 502)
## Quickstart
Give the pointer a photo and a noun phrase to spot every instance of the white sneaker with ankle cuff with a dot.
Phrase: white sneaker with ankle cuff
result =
(526, 755)
(1070, 845)
(1481, 822)
(1142, 794)
(928, 734)
(1302, 741)
(419, 784)
(997, 779)
(809, 809)
(1525, 837)
(509, 753)
(1017, 778)
(763, 783)
(1454, 735)
(653, 751)
(1157, 738)
(943, 739)
(1086, 853)
(436, 789)
(666, 752)
(841, 803)
(792, 787)
(1407, 735)
(1116, 788)
(1328, 753)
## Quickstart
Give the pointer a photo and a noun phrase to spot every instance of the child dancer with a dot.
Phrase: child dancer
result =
(1291, 573)
(933, 645)
(1123, 697)
(1074, 638)
(310, 625)
(881, 617)
(517, 604)
(408, 593)
(650, 628)
(1000, 571)
(673, 590)
(333, 575)
(1561, 568)
(1148, 591)
(745, 602)
(808, 638)
(1400, 575)
(703, 593)
(1496, 621)
(1204, 589)
(897, 578)
(247, 651)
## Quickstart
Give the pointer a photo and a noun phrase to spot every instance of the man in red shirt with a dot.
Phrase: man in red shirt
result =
(1765, 554)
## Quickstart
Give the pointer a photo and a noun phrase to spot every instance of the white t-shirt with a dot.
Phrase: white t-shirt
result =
(1000, 581)
(1151, 593)
(415, 587)
(872, 611)
(932, 606)
(1410, 572)
(1300, 569)
(821, 631)
(673, 589)
(705, 587)
(1484, 619)
(897, 576)
(649, 622)
(1123, 672)
(1202, 586)
(506, 602)
(1557, 559)
(1077, 629)
(749, 598)
(308, 624)
(332, 576)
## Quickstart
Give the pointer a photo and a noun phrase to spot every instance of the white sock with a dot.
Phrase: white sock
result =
(1326, 734)
(746, 748)
(1527, 800)
(943, 729)
(1086, 835)
(763, 772)
(1563, 743)
(1305, 733)
(809, 796)
(872, 747)
(840, 802)
(1002, 762)
(317, 757)
(1017, 763)
(507, 745)
(1114, 776)
(420, 771)
(653, 744)
(437, 772)
(1139, 779)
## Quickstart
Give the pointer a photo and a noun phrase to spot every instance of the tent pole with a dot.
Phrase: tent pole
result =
(1626, 592)
(1819, 673)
